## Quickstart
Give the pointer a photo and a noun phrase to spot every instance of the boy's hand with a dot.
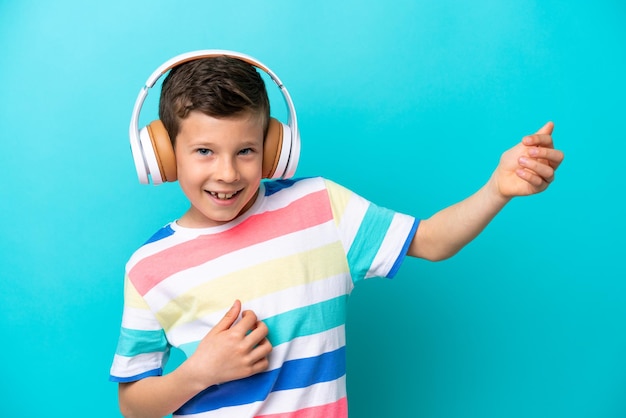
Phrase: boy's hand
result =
(528, 167)
(229, 352)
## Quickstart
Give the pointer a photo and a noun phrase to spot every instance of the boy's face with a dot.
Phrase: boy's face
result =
(219, 166)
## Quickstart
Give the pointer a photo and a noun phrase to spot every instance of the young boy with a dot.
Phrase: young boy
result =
(251, 283)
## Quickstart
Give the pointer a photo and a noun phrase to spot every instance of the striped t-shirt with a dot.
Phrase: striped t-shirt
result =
(293, 259)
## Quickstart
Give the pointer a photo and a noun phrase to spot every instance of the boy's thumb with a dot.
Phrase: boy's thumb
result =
(546, 129)
(229, 317)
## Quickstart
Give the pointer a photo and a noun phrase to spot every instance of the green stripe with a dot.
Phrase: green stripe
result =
(133, 342)
(308, 320)
(368, 240)
(299, 322)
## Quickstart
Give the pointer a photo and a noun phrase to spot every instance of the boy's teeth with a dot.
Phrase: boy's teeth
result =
(223, 195)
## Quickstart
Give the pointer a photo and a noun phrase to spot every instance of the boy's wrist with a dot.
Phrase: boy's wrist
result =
(189, 376)
(495, 194)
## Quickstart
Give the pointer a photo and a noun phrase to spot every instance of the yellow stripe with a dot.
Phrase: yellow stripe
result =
(132, 298)
(339, 198)
(254, 282)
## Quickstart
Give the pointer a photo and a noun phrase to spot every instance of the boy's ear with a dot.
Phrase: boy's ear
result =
(163, 150)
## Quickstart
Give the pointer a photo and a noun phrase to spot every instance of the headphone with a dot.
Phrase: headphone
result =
(152, 149)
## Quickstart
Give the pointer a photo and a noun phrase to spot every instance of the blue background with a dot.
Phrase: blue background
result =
(409, 103)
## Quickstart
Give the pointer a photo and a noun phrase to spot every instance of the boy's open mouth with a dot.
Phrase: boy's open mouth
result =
(223, 196)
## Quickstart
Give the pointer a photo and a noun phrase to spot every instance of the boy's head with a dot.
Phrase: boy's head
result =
(218, 84)
(220, 87)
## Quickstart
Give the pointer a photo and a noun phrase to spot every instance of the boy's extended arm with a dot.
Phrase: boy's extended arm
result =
(525, 169)
(228, 352)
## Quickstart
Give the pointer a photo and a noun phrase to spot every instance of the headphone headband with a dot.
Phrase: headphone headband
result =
(207, 53)
(288, 164)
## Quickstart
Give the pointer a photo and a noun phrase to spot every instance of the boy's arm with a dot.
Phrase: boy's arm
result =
(525, 169)
(228, 352)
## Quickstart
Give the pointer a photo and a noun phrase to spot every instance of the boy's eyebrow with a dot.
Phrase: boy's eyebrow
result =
(251, 142)
(209, 143)
(199, 141)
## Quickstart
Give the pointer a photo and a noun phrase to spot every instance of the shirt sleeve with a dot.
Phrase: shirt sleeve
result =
(375, 239)
(142, 348)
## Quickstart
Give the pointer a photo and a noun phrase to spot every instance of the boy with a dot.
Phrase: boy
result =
(289, 251)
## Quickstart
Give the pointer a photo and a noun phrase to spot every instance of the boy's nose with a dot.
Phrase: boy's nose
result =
(227, 170)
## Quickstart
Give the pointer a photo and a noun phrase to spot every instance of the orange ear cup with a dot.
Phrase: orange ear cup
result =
(167, 161)
(271, 147)
(163, 150)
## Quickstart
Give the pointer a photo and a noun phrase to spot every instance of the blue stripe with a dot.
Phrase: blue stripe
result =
(368, 240)
(405, 249)
(149, 373)
(273, 186)
(164, 232)
(310, 371)
(293, 374)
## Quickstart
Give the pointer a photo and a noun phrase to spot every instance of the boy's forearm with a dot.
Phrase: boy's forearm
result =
(157, 396)
(449, 230)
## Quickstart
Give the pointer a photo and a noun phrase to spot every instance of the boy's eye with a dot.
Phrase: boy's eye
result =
(203, 151)
(246, 151)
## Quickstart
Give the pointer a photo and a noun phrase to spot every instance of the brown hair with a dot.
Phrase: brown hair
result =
(219, 87)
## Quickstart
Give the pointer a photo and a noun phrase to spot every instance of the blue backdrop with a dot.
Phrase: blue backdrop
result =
(410, 103)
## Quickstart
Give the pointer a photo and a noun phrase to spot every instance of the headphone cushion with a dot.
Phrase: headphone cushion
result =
(272, 147)
(163, 150)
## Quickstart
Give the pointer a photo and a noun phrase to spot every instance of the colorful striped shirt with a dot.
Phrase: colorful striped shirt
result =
(293, 258)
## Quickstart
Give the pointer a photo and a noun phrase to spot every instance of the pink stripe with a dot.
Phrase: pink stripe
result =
(310, 210)
(337, 409)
